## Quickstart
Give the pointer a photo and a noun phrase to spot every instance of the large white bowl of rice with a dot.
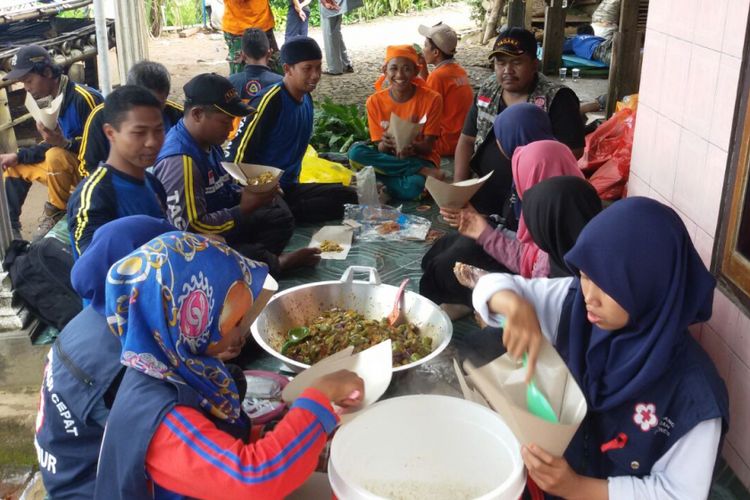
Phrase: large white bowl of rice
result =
(426, 447)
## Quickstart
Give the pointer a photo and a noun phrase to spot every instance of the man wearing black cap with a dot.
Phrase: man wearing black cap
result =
(516, 80)
(202, 197)
(279, 132)
(54, 161)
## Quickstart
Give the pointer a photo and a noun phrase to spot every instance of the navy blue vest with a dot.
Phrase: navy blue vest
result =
(638, 433)
(220, 189)
(82, 366)
(141, 405)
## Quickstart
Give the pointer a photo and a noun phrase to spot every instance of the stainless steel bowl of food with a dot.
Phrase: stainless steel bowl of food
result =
(302, 305)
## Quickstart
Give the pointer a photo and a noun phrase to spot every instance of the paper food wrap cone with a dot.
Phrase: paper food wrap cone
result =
(46, 116)
(270, 286)
(500, 385)
(455, 195)
(373, 365)
(404, 132)
(243, 172)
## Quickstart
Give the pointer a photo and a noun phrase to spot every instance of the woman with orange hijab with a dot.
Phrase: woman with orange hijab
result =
(402, 172)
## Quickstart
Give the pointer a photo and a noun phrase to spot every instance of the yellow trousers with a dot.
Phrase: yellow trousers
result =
(58, 171)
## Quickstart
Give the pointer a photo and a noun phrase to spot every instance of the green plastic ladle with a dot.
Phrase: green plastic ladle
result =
(537, 403)
(295, 335)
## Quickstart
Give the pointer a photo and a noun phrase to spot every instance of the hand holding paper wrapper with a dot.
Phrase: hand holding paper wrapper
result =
(501, 386)
(404, 132)
(454, 196)
(46, 116)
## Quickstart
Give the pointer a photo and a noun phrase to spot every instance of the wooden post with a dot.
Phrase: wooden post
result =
(491, 21)
(516, 14)
(624, 72)
(554, 37)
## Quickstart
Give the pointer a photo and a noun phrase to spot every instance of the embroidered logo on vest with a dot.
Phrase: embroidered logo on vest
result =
(645, 416)
(252, 87)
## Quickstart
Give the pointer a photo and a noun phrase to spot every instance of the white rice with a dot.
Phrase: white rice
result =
(420, 490)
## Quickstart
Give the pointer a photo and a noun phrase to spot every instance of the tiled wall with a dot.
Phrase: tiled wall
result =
(689, 82)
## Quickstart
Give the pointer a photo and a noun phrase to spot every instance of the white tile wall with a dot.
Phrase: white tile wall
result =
(709, 30)
(665, 151)
(653, 67)
(701, 87)
(683, 19)
(642, 162)
(691, 165)
(712, 187)
(734, 29)
(674, 78)
(690, 76)
(725, 101)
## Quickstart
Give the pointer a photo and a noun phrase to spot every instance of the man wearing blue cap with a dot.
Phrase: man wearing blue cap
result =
(280, 130)
(53, 162)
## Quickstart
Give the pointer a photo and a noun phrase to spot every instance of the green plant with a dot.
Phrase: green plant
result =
(338, 126)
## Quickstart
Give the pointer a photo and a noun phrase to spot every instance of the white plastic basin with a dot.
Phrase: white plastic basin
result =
(426, 447)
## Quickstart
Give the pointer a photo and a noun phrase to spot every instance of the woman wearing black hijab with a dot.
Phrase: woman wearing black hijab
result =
(555, 211)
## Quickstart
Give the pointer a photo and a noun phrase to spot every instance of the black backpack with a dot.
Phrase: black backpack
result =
(40, 274)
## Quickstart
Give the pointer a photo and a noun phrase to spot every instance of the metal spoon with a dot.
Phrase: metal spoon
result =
(295, 335)
(537, 403)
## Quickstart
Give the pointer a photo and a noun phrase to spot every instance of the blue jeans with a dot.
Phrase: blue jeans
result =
(294, 25)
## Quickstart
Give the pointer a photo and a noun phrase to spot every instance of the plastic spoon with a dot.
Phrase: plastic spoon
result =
(537, 403)
(397, 316)
(296, 335)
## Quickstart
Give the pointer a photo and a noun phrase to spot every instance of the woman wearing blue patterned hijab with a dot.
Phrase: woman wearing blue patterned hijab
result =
(177, 301)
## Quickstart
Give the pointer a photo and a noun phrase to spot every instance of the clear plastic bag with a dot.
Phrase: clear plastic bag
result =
(384, 223)
(367, 187)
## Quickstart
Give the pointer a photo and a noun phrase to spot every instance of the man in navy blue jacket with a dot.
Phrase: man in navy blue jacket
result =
(202, 197)
(121, 186)
(54, 161)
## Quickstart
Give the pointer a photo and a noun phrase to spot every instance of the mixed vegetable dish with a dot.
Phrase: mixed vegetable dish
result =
(336, 329)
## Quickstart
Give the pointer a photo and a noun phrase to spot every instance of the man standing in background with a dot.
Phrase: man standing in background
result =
(240, 15)
(331, 15)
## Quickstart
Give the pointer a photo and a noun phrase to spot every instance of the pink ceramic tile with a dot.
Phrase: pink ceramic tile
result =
(724, 103)
(689, 178)
(684, 13)
(709, 30)
(675, 74)
(652, 68)
(741, 345)
(725, 317)
(739, 403)
(701, 89)
(734, 29)
(704, 244)
(737, 463)
(717, 349)
(636, 186)
(642, 160)
(665, 151)
(713, 186)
